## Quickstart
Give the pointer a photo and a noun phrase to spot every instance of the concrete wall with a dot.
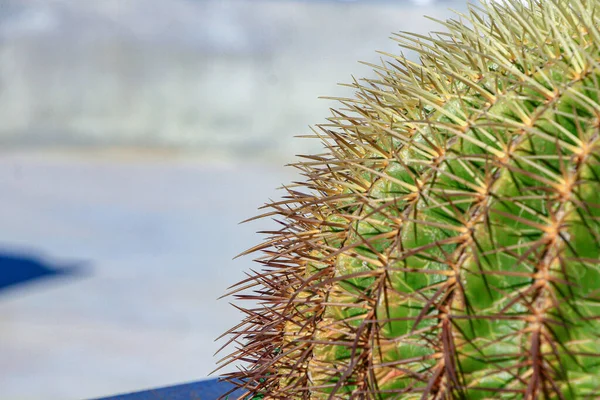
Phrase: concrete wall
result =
(226, 78)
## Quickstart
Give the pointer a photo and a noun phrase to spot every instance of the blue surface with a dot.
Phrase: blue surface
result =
(16, 269)
(210, 389)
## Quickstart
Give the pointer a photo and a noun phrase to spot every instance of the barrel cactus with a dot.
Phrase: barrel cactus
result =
(446, 244)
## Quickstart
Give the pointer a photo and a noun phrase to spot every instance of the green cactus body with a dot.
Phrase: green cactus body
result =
(447, 244)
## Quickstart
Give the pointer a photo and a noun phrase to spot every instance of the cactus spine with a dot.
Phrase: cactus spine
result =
(446, 245)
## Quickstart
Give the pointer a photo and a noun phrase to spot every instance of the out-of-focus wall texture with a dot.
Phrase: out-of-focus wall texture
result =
(134, 136)
(235, 78)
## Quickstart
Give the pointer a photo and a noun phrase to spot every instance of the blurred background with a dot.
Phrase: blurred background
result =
(134, 136)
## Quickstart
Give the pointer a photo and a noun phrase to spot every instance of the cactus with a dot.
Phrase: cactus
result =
(446, 244)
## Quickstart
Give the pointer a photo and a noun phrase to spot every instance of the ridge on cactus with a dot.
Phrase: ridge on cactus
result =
(446, 244)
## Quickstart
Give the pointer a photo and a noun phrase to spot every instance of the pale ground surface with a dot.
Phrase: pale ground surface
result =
(154, 238)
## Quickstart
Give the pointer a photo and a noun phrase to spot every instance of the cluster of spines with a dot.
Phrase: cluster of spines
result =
(458, 196)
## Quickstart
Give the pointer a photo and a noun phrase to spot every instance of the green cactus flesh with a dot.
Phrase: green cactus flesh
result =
(446, 245)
